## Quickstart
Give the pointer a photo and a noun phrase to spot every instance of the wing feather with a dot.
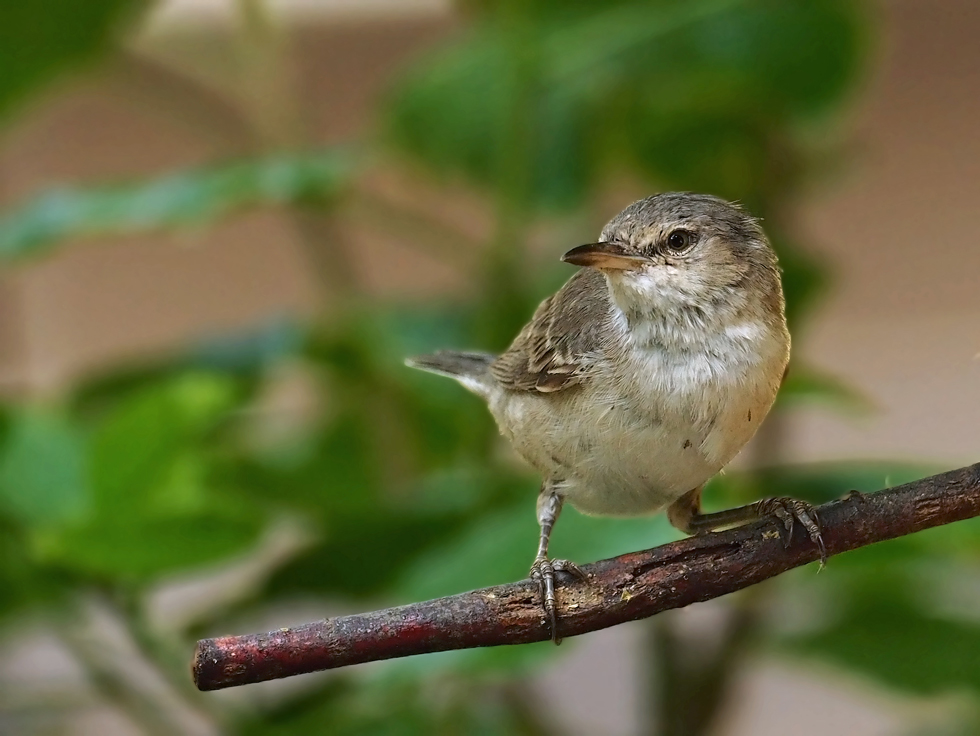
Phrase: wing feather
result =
(558, 348)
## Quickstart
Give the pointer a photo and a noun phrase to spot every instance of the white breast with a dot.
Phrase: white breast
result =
(652, 426)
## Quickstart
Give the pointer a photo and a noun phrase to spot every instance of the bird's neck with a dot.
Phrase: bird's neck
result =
(663, 317)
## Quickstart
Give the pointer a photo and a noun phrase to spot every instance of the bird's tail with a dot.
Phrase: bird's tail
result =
(470, 369)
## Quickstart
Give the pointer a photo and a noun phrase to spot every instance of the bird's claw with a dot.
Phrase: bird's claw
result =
(543, 573)
(789, 511)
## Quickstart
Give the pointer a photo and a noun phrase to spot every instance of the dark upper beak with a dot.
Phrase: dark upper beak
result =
(603, 256)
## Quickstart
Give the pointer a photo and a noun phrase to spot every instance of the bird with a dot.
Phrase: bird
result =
(645, 374)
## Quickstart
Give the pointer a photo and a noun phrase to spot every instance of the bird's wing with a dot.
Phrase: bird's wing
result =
(560, 345)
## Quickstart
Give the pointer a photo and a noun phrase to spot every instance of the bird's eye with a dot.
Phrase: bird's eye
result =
(680, 240)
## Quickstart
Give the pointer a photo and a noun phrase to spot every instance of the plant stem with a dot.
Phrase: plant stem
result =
(689, 687)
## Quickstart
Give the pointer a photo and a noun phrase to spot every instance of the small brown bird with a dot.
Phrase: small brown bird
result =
(646, 373)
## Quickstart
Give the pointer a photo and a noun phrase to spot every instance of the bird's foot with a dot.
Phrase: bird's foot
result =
(543, 573)
(789, 511)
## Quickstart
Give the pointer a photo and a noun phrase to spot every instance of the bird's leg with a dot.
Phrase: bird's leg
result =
(685, 514)
(543, 570)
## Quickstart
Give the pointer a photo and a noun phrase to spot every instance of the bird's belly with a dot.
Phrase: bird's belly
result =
(637, 470)
(608, 460)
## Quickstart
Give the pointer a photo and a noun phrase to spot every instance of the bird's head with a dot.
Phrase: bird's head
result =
(678, 251)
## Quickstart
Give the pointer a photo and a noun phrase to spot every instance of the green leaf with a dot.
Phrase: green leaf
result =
(891, 642)
(805, 278)
(338, 475)
(175, 200)
(361, 555)
(22, 583)
(702, 150)
(137, 444)
(496, 548)
(154, 506)
(43, 469)
(45, 38)
(242, 355)
(805, 384)
(701, 94)
(386, 707)
(139, 548)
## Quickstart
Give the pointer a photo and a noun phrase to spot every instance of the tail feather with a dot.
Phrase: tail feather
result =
(470, 369)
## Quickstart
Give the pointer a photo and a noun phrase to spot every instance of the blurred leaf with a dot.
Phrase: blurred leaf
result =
(154, 508)
(22, 583)
(889, 641)
(805, 384)
(455, 490)
(804, 277)
(137, 444)
(447, 706)
(42, 469)
(361, 556)
(339, 475)
(43, 38)
(698, 94)
(311, 712)
(176, 200)
(410, 329)
(339, 485)
(438, 422)
(965, 722)
(131, 548)
(719, 152)
(241, 355)
(496, 548)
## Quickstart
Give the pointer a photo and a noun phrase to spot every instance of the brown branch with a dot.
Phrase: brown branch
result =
(625, 588)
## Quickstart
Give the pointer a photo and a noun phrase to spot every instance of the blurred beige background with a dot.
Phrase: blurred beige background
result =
(898, 218)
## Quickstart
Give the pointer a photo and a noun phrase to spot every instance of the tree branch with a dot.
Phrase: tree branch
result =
(625, 588)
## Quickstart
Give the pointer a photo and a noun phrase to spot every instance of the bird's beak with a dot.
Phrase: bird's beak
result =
(606, 256)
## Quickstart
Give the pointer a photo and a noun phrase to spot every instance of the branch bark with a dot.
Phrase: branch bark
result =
(625, 588)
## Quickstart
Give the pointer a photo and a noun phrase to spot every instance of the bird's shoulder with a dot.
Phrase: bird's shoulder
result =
(565, 338)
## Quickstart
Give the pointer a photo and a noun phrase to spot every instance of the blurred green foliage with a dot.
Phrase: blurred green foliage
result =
(190, 198)
(697, 94)
(44, 38)
(144, 473)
